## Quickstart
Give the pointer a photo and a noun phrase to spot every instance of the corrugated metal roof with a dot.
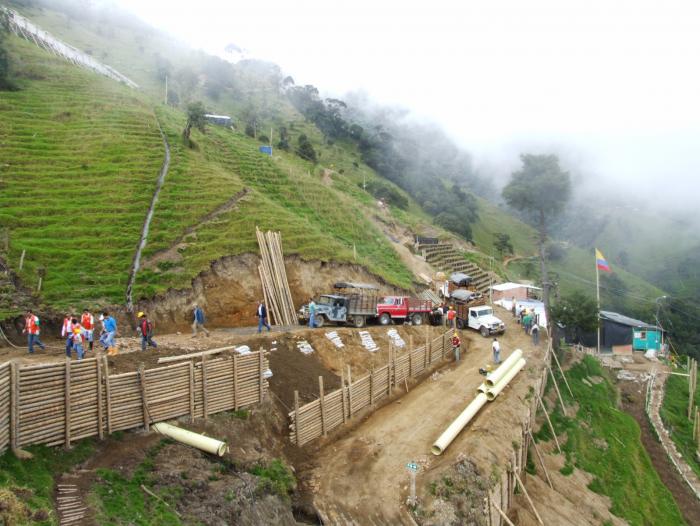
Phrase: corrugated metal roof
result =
(625, 320)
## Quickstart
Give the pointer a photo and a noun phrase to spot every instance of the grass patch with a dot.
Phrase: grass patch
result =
(120, 501)
(622, 470)
(276, 477)
(34, 478)
(674, 413)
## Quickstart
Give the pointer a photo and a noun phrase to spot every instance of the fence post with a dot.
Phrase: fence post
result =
(296, 415)
(144, 397)
(388, 369)
(260, 373)
(235, 382)
(14, 405)
(410, 356)
(323, 405)
(108, 395)
(191, 391)
(443, 357)
(371, 386)
(204, 386)
(427, 348)
(67, 403)
(349, 391)
(21, 259)
(100, 429)
(342, 396)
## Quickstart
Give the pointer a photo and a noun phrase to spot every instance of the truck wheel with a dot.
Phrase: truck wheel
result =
(385, 319)
(484, 332)
(359, 321)
(417, 319)
(319, 321)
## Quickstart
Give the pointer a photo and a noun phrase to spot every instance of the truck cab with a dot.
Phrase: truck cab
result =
(483, 320)
(403, 308)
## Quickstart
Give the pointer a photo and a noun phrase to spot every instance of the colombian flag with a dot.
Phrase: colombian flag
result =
(600, 261)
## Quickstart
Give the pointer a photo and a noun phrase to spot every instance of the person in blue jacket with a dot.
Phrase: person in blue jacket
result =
(261, 313)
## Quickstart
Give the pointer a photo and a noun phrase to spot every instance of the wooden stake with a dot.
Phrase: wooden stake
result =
(21, 259)
(192, 392)
(371, 386)
(539, 456)
(144, 397)
(108, 395)
(296, 415)
(235, 382)
(562, 373)
(503, 515)
(561, 400)
(342, 396)
(204, 387)
(261, 380)
(67, 403)
(410, 356)
(527, 496)
(14, 405)
(551, 427)
(349, 391)
(388, 369)
(100, 429)
(323, 405)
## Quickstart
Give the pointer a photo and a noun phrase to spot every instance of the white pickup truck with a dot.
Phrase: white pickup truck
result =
(483, 320)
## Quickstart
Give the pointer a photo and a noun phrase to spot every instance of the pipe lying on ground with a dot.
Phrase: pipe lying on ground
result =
(494, 377)
(485, 394)
(458, 424)
(210, 445)
(493, 392)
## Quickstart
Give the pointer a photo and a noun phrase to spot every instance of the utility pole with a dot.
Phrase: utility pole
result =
(597, 292)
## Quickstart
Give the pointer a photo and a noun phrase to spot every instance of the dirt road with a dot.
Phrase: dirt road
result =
(362, 478)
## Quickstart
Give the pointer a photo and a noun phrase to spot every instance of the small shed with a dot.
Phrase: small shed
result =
(521, 291)
(221, 120)
(619, 332)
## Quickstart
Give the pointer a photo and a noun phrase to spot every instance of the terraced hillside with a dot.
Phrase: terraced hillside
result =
(80, 154)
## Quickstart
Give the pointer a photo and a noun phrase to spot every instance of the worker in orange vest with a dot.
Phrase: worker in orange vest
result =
(87, 321)
(32, 330)
(451, 315)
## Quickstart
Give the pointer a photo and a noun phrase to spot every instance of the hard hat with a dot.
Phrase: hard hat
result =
(76, 330)
(141, 314)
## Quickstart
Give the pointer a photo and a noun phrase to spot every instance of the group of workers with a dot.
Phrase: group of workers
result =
(78, 332)
(527, 318)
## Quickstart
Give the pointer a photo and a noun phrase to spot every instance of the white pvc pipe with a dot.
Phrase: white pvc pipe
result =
(495, 376)
(496, 389)
(458, 424)
(210, 445)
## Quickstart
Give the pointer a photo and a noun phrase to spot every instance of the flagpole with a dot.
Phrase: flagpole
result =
(597, 290)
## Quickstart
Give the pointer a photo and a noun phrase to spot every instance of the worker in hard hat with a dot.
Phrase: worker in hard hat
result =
(146, 330)
(456, 343)
(77, 335)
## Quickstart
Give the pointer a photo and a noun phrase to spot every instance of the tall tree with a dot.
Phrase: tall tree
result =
(540, 189)
(195, 119)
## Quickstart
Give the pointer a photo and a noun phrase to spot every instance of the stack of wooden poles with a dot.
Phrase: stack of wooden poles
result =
(273, 276)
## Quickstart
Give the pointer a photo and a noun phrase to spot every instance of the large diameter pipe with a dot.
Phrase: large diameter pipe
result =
(496, 389)
(458, 424)
(494, 377)
(208, 444)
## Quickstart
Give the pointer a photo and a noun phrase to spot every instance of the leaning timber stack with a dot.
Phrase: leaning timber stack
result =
(276, 293)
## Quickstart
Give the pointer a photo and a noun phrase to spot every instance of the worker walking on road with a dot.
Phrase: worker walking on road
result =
(456, 342)
(146, 330)
(110, 333)
(67, 332)
(451, 315)
(496, 348)
(87, 322)
(198, 321)
(312, 313)
(261, 313)
(535, 332)
(77, 336)
(32, 330)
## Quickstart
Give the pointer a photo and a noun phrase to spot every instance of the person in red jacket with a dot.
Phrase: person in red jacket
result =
(456, 343)
(146, 329)
(87, 322)
(32, 330)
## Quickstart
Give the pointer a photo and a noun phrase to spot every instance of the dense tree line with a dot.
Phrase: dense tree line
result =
(417, 157)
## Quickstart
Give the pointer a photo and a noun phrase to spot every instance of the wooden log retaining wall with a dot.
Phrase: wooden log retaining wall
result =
(58, 403)
(325, 414)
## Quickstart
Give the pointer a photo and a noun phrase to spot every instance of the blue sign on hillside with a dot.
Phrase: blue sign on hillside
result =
(266, 149)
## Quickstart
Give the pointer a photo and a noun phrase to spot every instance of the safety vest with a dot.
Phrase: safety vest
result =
(87, 321)
(32, 324)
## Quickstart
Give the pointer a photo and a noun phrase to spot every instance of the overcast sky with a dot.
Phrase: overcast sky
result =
(613, 86)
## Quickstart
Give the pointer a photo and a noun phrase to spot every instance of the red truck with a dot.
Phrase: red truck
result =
(403, 308)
